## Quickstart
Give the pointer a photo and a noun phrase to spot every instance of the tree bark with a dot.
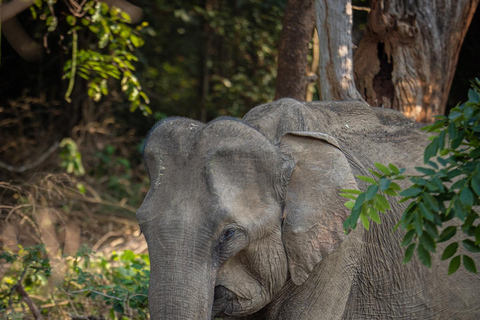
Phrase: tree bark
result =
(312, 76)
(407, 58)
(334, 26)
(298, 24)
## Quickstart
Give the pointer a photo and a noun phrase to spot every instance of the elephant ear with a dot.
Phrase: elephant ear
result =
(314, 210)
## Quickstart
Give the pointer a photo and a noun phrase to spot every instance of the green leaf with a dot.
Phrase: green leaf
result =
(431, 229)
(441, 141)
(424, 256)
(390, 192)
(349, 204)
(454, 265)
(447, 234)
(367, 179)
(430, 201)
(348, 196)
(466, 197)
(475, 183)
(136, 41)
(408, 238)
(359, 201)
(409, 253)
(371, 192)
(418, 223)
(433, 165)
(426, 171)
(458, 140)
(438, 183)
(449, 251)
(442, 161)
(411, 192)
(384, 184)
(425, 212)
(375, 173)
(395, 186)
(393, 168)
(71, 20)
(473, 96)
(354, 217)
(469, 264)
(373, 214)
(452, 130)
(477, 235)
(430, 151)
(352, 191)
(419, 181)
(470, 246)
(382, 202)
(346, 225)
(382, 168)
(427, 242)
(365, 221)
(467, 224)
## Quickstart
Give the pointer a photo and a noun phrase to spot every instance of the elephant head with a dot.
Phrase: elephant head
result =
(231, 217)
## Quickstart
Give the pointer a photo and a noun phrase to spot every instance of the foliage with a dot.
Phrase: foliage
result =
(121, 180)
(95, 285)
(71, 158)
(447, 189)
(109, 57)
(248, 38)
(221, 56)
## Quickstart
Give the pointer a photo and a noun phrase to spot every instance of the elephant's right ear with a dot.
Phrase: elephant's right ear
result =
(314, 210)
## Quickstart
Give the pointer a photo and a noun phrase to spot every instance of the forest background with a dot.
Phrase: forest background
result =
(71, 173)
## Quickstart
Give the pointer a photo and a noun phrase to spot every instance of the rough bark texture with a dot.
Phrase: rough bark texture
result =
(334, 26)
(312, 76)
(407, 58)
(298, 24)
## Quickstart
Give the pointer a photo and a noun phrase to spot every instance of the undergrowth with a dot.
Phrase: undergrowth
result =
(87, 285)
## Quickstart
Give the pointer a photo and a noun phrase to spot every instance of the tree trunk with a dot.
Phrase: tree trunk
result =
(298, 24)
(407, 58)
(334, 26)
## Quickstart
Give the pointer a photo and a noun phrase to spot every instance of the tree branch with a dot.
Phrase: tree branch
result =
(11, 9)
(21, 42)
(96, 292)
(29, 302)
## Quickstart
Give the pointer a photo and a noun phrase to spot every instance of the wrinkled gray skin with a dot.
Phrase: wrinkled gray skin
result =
(243, 220)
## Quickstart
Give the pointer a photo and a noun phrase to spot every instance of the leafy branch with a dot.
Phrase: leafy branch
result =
(447, 187)
(110, 56)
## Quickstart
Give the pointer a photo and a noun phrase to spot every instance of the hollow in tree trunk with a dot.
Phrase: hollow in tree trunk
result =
(407, 58)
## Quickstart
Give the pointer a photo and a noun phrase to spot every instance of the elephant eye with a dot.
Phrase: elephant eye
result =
(227, 234)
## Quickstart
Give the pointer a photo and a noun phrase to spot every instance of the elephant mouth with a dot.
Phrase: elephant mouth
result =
(223, 302)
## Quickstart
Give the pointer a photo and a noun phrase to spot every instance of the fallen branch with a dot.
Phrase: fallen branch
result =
(32, 165)
(20, 41)
(11, 9)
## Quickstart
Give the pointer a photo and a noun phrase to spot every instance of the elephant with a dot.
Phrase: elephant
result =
(243, 219)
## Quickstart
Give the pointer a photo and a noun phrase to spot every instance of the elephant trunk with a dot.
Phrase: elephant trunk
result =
(180, 287)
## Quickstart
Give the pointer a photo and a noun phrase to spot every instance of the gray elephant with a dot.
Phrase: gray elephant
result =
(243, 219)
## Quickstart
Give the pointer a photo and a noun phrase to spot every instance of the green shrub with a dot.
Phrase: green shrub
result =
(447, 188)
(115, 286)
